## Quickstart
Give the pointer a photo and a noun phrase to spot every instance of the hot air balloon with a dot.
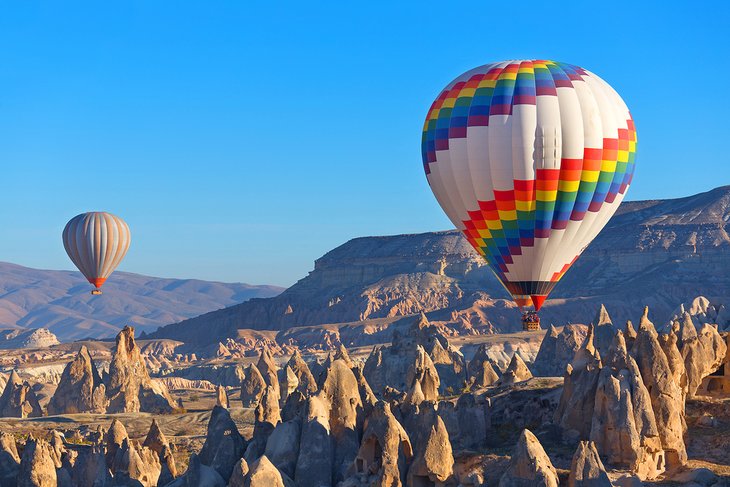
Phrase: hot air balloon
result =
(96, 242)
(529, 159)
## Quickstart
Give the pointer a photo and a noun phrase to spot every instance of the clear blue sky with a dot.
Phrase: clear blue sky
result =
(241, 140)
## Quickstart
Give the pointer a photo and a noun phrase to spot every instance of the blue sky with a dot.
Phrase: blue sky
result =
(242, 140)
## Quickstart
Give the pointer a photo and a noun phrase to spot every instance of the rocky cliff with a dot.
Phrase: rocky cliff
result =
(658, 253)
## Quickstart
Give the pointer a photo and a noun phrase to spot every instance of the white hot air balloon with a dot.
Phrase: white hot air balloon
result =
(96, 242)
(529, 159)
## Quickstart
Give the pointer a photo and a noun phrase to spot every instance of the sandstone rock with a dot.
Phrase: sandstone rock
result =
(530, 466)
(433, 458)
(240, 471)
(56, 448)
(252, 387)
(575, 410)
(282, 446)
(424, 371)
(294, 407)
(486, 376)
(668, 342)
(341, 354)
(129, 387)
(113, 440)
(624, 426)
(667, 397)
(9, 460)
(268, 368)
(480, 356)
(198, 475)
(517, 371)
(557, 350)
(134, 465)
(80, 389)
(340, 388)
(223, 445)
(263, 473)
(385, 448)
(603, 331)
(90, 469)
(586, 469)
(18, 399)
(629, 334)
(221, 397)
(315, 462)
(157, 442)
(366, 393)
(414, 397)
(307, 382)
(268, 415)
(703, 352)
(474, 421)
(288, 384)
(36, 466)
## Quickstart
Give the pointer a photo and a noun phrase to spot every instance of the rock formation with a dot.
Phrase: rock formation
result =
(221, 396)
(603, 331)
(485, 376)
(340, 389)
(530, 466)
(557, 350)
(703, 352)
(409, 351)
(252, 387)
(268, 368)
(624, 426)
(224, 445)
(315, 460)
(240, 471)
(263, 473)
(33, 338)
(424, 372)
(9, 459)
(200, 475)
(80, 389)
(135, 465)
(36, 465)
(586, 469)
(433, 460)
(18, 399)
(307, 382)
(282, 446)
(517, 371)
(667, 396)
(385, 449)
(474, 422)
(575, 410)
(157, 442)
(129, 387)
(113, 439)
(289, 383)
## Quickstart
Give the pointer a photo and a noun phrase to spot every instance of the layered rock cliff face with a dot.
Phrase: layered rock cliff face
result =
(676, 248)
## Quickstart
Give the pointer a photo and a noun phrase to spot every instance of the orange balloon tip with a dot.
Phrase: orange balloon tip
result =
(97, 281)
(537, 300)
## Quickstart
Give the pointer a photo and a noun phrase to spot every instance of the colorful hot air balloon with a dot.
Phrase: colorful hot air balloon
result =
(529, 159)
(96, 242)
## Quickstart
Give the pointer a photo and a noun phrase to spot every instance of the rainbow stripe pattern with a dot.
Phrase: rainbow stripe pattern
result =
(529, 159)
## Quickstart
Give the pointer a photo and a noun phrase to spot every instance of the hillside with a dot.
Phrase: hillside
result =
(659, 253)
(60, 301)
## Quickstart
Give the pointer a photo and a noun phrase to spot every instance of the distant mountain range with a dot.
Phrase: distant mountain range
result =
(658, 253)
(61, 302)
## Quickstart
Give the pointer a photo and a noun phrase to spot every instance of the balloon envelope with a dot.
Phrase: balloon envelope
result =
(529, 159)
(96, 242)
